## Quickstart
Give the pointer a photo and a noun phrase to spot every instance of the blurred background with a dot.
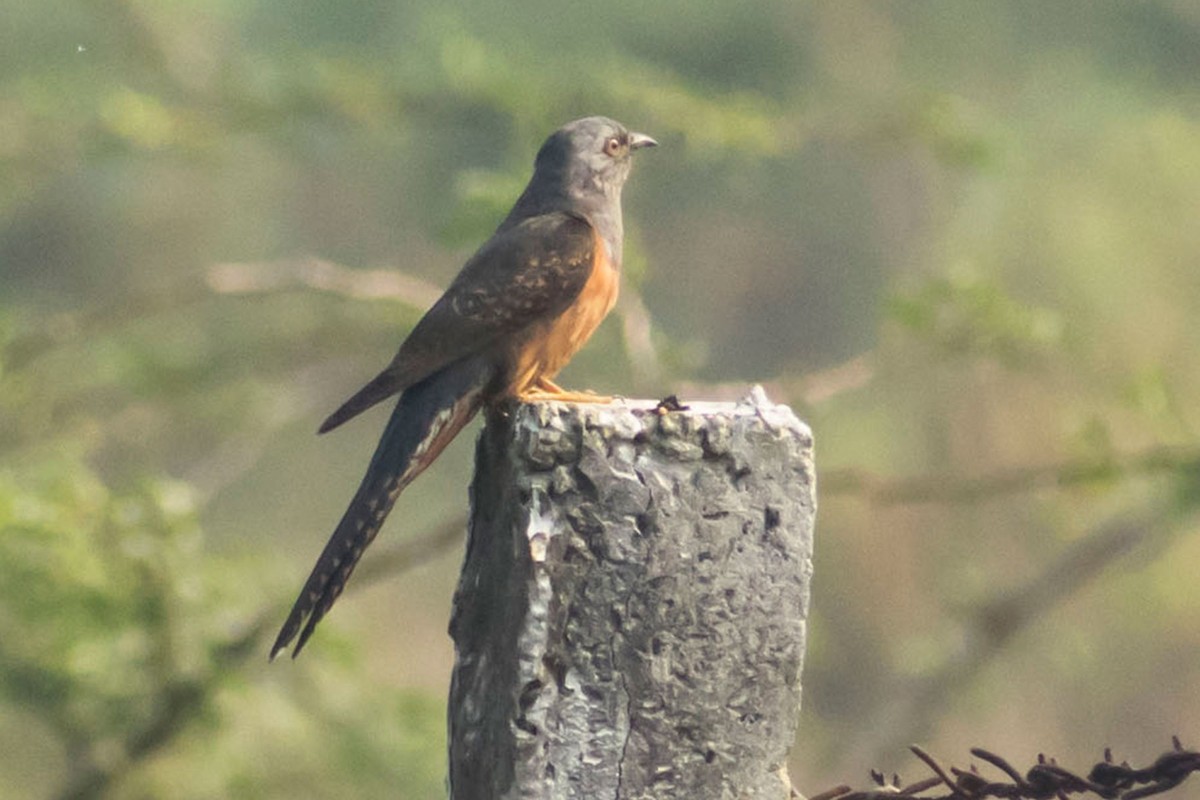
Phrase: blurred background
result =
(960, 239)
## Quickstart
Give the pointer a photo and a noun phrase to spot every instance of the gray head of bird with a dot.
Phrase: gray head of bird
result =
(590, 155)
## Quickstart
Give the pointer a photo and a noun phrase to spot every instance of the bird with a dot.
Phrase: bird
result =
(518, 310)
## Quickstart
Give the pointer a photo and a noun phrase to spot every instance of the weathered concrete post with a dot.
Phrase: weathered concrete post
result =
(630, 619)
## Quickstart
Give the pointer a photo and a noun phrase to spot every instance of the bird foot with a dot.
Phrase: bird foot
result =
(562, 396)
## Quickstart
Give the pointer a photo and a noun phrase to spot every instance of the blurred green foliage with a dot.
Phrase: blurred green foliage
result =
(964, 314)
(131, 649)
(962, 238)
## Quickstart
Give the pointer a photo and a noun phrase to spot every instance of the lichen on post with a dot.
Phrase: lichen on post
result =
(630, 619)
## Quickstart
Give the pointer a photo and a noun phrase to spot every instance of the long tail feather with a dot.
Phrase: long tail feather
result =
(428, 415)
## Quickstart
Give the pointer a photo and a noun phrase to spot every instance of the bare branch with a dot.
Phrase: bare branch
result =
(411, 553)
(323, 276)
(637, 332)
(952, 489)
(812, 388)
(991, 625)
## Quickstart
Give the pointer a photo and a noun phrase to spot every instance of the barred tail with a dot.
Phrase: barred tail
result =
(428, 415)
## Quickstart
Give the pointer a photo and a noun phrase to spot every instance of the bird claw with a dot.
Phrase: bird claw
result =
(563, 396)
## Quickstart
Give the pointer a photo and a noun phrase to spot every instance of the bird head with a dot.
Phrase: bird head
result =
(589, 156)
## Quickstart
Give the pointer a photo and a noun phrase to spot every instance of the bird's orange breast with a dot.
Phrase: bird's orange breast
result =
(552, 345)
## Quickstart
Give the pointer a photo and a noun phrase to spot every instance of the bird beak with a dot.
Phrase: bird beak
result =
(639, 140)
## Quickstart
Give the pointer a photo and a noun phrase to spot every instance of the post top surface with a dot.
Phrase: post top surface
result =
(754, 404)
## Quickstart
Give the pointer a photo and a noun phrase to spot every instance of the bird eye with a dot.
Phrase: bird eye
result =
(612, 145)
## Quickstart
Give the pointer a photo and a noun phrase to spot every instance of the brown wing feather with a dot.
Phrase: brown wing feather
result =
(524, 274)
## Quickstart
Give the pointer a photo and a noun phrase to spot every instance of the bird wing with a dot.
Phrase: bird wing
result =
(524, 274)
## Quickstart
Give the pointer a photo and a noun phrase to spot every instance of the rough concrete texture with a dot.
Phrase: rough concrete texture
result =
(630, 619)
